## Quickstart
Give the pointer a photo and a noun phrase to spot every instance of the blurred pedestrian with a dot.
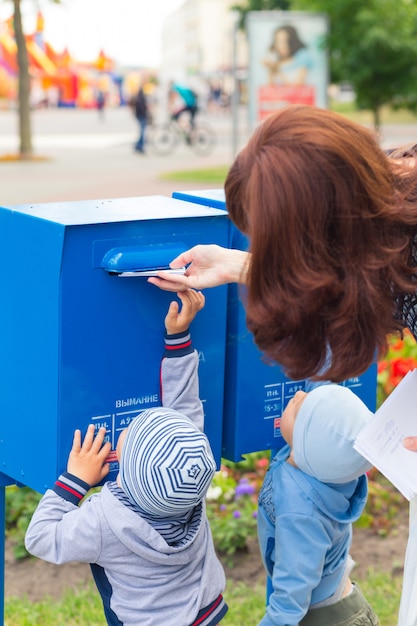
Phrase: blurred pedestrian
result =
(142, 114)
(100, 103)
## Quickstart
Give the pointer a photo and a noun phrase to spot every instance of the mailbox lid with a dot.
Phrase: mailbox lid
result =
(114, 210)
(211, 198)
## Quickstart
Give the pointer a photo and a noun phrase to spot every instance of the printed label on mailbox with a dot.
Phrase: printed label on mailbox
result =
(276, 398)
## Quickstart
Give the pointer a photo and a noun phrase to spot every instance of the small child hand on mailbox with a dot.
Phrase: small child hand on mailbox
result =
(145, 535)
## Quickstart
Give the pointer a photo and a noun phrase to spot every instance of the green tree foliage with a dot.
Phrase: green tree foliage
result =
(372, 45)
(260, 5)
(268, 5)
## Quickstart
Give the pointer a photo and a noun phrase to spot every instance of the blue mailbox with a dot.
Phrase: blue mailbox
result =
(82, 332)
(257, 393)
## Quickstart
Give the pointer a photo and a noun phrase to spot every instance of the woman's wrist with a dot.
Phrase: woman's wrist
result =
(236, 266)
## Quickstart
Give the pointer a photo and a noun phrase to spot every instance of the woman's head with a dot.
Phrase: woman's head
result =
(329, 227)
(286, 42)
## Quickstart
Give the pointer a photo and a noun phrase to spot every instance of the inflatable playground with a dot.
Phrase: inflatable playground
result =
(58, 80)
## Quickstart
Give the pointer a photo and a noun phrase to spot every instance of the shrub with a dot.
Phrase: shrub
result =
(21, 503)
(400, 359)
(232, 502)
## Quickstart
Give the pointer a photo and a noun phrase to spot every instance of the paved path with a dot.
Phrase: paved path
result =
(90, 158)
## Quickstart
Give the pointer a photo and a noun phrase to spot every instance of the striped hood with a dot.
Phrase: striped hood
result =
(166, 463)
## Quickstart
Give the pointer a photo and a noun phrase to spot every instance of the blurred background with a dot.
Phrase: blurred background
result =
(71, 71)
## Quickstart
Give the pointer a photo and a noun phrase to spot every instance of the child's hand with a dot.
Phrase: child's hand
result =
(88, 461)
(177, 321)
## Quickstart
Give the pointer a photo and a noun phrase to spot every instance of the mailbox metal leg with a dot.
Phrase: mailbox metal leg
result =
(3, 551)
(4, 481)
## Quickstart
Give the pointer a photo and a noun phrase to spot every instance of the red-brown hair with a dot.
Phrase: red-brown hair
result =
(331, 222)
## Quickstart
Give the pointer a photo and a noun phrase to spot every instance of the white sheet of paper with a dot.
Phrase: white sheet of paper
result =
(181, 270)
(380, 441)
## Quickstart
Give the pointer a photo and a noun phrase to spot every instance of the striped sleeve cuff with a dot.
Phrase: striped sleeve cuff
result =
(71, 488)
(178, 344)
(212, 614)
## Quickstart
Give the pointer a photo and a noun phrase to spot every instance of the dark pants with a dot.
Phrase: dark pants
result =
(140, 144)
(192, 110)
(353, 610)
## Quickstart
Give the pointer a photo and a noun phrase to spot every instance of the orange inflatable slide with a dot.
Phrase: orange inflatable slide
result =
(56, 78)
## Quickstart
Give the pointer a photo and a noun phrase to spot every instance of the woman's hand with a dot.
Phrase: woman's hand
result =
(177, 321)
(207, 266)
(410, 443)
(87, 461)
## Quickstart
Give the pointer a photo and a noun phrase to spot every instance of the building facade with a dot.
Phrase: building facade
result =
(198, 44)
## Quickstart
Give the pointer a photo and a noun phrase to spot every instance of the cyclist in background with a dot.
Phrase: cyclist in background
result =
(188, 100)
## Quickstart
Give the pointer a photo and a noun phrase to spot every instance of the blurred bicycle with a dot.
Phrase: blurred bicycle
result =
(163, 139)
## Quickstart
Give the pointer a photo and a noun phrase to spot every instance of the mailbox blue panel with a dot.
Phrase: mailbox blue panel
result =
(257, 393)
(82, 344)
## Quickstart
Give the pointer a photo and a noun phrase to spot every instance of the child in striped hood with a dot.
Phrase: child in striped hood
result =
(145, 535)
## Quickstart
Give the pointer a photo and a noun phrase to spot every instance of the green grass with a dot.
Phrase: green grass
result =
(246, 605)
(211, 176)
(383, 592)
(77, 608)
(388, 115)
(215, 176)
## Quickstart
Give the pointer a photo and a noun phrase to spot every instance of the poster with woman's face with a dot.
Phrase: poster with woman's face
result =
(287, 60)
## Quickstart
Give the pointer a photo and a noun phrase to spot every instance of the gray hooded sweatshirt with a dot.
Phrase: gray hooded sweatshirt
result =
(142, 579)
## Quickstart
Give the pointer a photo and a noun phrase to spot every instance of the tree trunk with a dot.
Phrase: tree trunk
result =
(377, 118)
(24, 85)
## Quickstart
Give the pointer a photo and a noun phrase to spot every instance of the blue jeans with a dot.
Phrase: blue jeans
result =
(140, 144)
